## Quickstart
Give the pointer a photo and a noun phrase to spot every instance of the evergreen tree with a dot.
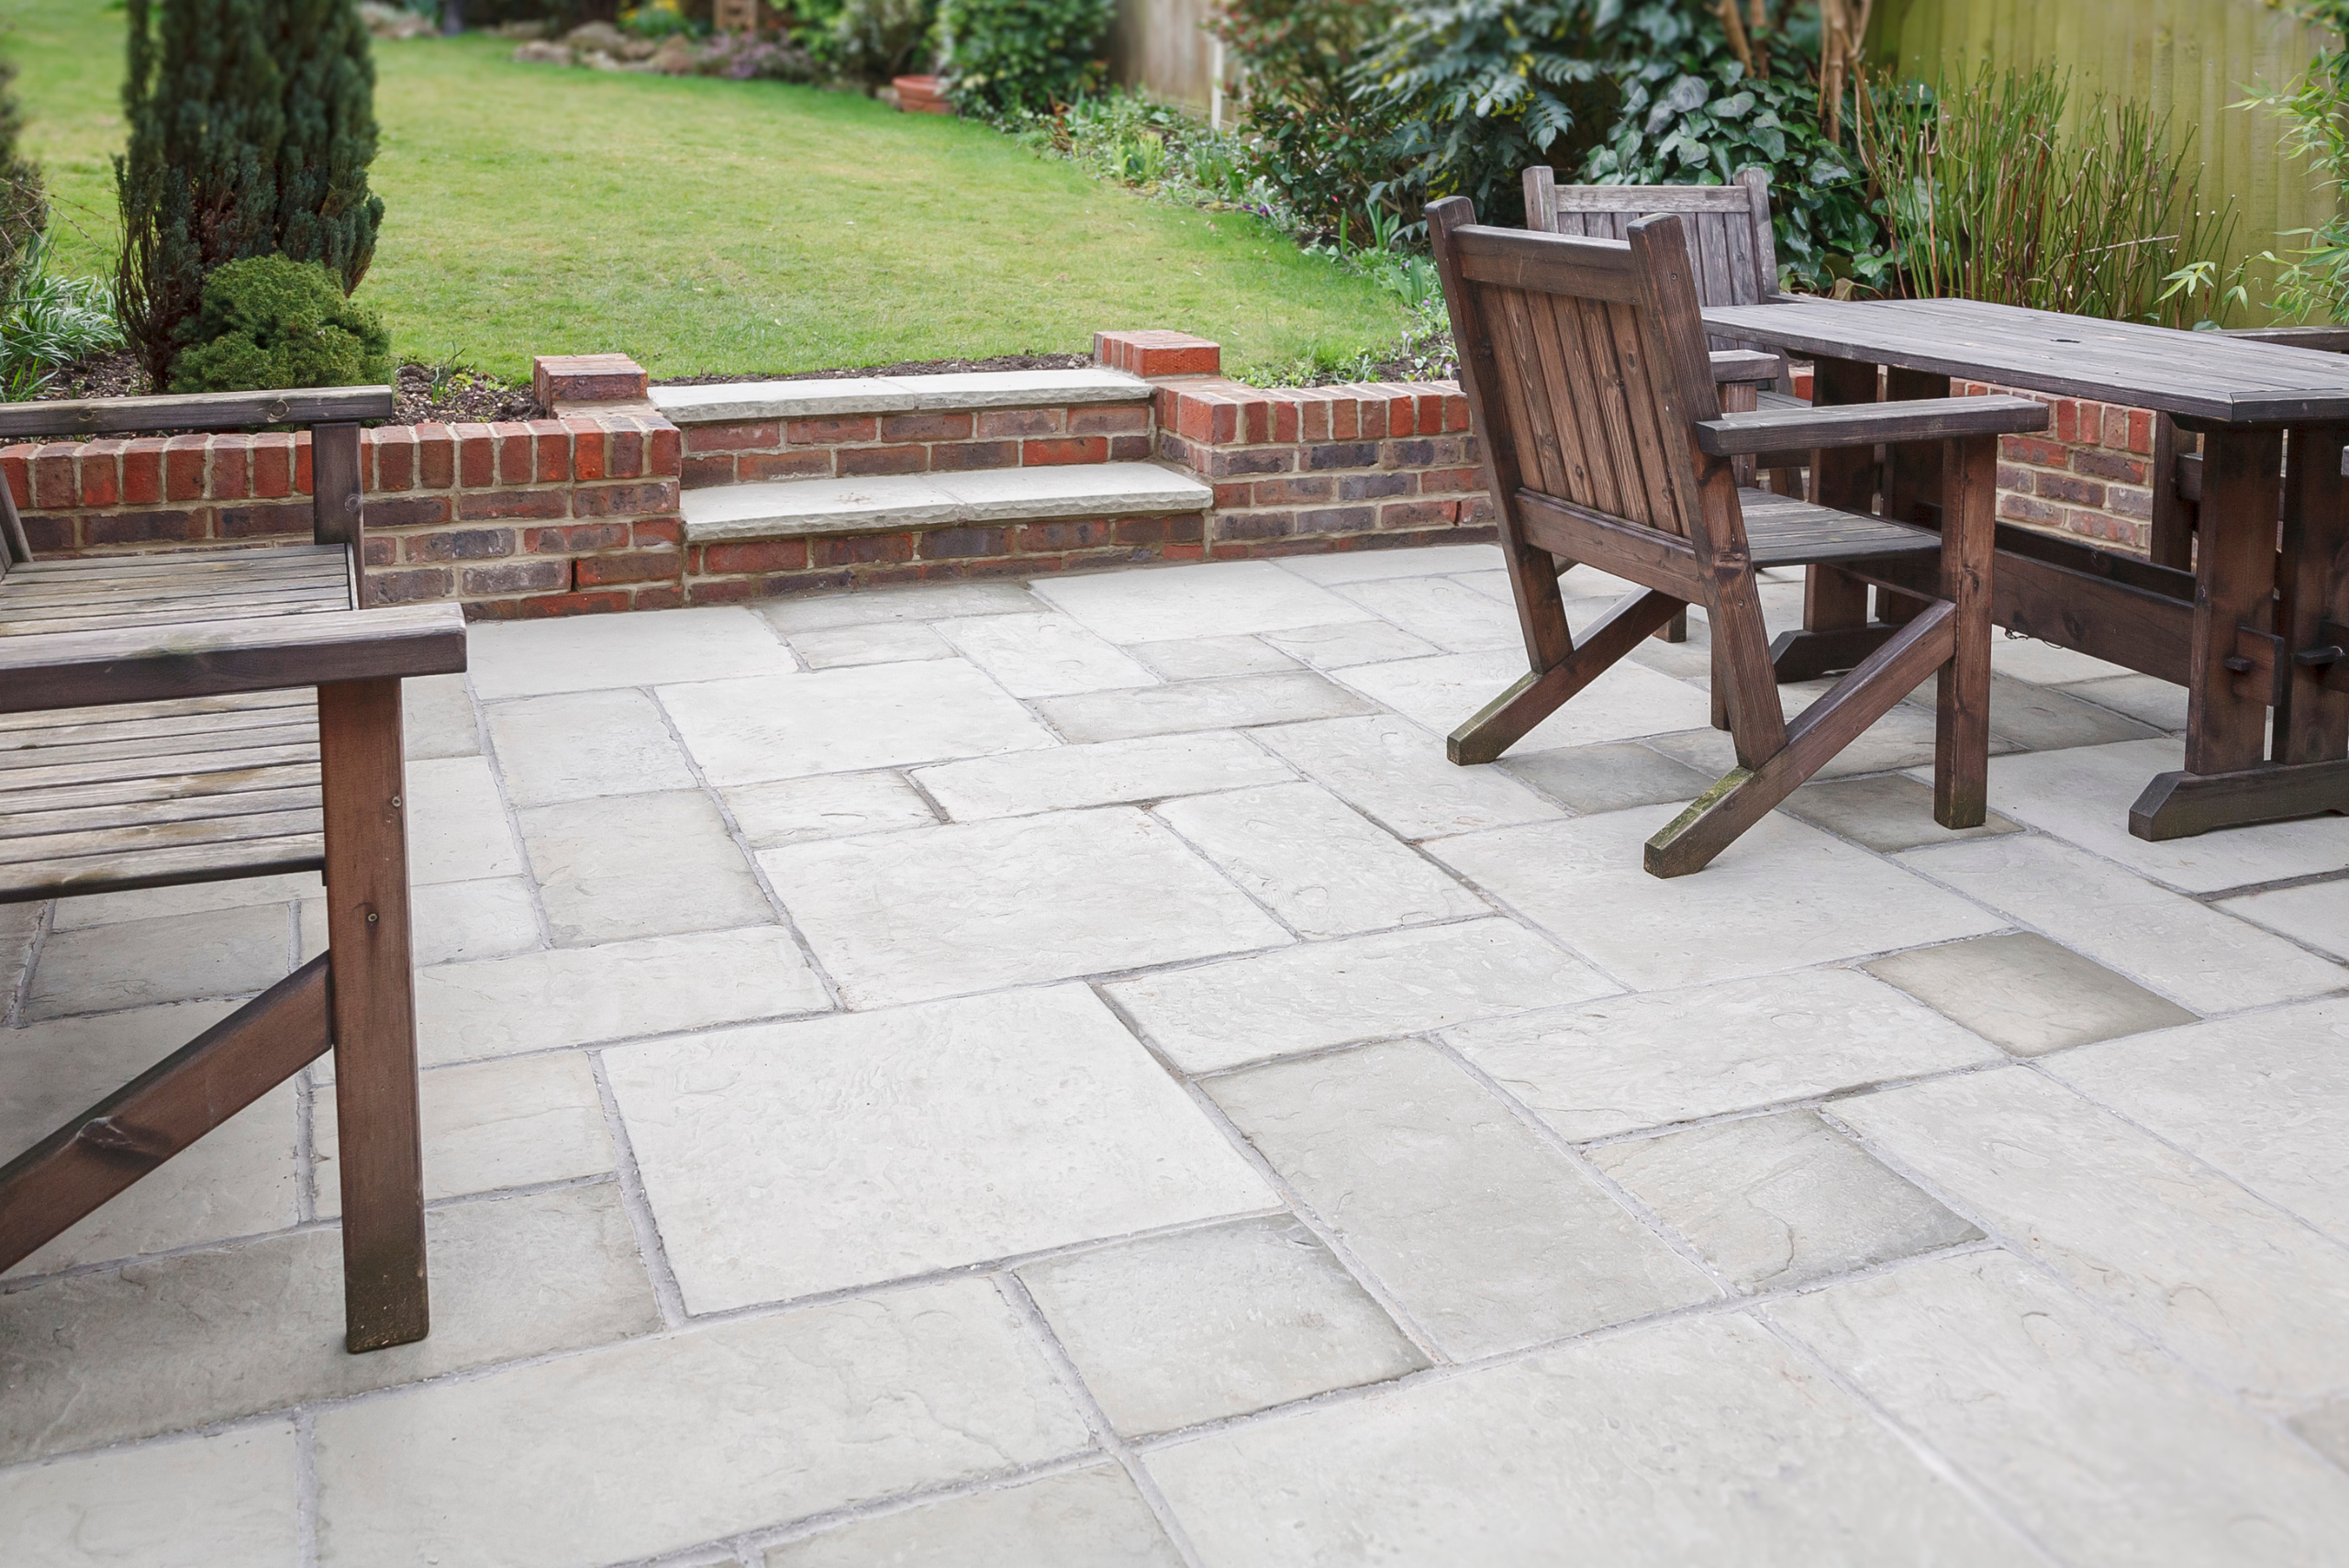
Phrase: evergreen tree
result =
(24, 206)
(252, 123)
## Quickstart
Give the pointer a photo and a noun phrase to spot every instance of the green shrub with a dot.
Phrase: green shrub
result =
(269, 321)
(2314, 108)
(1010, 55)
(1325, 153)
(23, 204)
(877, 40)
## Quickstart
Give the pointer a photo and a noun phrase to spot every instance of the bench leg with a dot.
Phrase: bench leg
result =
(1961, 704)
(373, 1013)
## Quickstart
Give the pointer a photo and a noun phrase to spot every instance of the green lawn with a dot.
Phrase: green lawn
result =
(706, 226)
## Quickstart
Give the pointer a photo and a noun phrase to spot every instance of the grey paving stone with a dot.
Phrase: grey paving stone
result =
(1220, 599)
(1202, 658)
(1230, 703)
(1487, 1236)
(1173, 1330)
(451, 922)
(177, 958)
(18, 923)
(1776, 1201)
(879, 642)
(154, 903)
(2228, 1281)
(1449, 615)
(577, 745)
(1395, 772)
(1073, 490)
(580, 995)
(2198, 956)
(639, 865)
(515, 658)
(1316, 863)
(456, 823)
(1107, 772)
(489, 1126)
(1042, 655)
(847, 720)
(2028, 659)
(1358, 988)
(1086, 1518)
(437, 717)
(703, 1434)
(912, 1139)
(2141, 697)
(2045, 719)
(2027, 994)
(2326, 1429)
(1608, 777)
(230, 1497)
(827, 806)
(1349, 642)
(1439, 693)
(1700, 1441)
(2316, 914)
(824, 506)
(1622, 1063)
(1366, 565)
(1903, 738)
(1888, 813)
(2263, 1097)
(940, 911)
(206, 1337)
(934, 601)
(2106, 1451)
(1784, 896)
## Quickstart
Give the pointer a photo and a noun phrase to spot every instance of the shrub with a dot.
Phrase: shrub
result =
(2314, 108)
(1008, 55)
(877, 40)
(23, 204)
(47, 321)
(252, 122)
(270, 321)
(1325, 152)
(742, 57)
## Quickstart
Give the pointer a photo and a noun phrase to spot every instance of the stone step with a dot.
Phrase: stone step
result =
(746, 402)
(797, 507)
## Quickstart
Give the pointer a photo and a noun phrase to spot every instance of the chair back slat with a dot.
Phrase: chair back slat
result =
(1582, 377)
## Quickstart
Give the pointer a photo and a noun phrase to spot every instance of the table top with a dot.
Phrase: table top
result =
(2201, 376)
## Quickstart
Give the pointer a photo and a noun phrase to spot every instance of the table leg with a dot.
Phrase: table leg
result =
(1836, 633)
(1912, 481)
(2312, 610)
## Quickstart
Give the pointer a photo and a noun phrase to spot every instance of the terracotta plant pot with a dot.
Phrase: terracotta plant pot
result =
(922, 94)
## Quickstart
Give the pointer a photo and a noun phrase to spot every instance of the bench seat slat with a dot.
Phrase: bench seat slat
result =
(158, 790)
(72, 717)
(294, 731)
(84, 617)
(132, 838)
(119, 770)
(161, 868)
(102, 591)
(228, 804)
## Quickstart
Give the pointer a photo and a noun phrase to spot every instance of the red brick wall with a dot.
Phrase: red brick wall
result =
(858, 445)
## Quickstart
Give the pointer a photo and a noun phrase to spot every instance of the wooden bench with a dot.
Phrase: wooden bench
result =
(205, 715)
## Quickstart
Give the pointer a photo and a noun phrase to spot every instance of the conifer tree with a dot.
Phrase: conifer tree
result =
(24, 206)
(252, 123)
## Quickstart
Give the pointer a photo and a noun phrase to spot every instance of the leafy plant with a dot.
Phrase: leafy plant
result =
(24, 203)
(47, 321)
(1988, 196)
(1324, 152)
(2314, 108)
(740, 56)
(881, 39)
(270, 321)
(659, 20)
(1032, 55)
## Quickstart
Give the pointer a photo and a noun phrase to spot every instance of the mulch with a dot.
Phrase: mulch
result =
(459, 396)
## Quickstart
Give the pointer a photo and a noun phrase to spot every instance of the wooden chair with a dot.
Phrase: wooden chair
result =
(199, 716)
(1593, 396)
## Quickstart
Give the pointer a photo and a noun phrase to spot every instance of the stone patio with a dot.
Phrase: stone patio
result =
(1067, 1074)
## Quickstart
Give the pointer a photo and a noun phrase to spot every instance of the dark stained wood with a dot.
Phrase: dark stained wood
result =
(48, 1188)
(1745, 364)
(1962, 709)
(196, 411)
(2234, 585)
(2181, 805)
(1504, 721)
(1645, 556)
(1935, 420)
(368, 940)
(1587, 271)
(13, 550)
(337, 491)
(2312, 715)
(2176, 475)
(2144, 632)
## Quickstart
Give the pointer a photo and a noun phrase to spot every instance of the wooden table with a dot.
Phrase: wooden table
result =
(2252, 629)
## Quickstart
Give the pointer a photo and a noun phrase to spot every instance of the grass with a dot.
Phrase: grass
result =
(707, 227)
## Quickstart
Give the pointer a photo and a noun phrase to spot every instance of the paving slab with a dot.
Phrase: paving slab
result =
(1230, 703)
(1449, 615)
(1489, 1238)
(515, 658)
(1199, 658)
(1778, 1201)
(1368, 565)
(1622, 1063)
(703, 1434)
(231, 1497)
(1086, 1518)
(2316, 915)
(882, 642)
(2263, 1097)
(154, 903)
(2027, 994)
(1173, 1330)
(825, 805)
(438, 718)
(175, 958)
(1888, 813)
(1392, 772)
(1903, 738)
(838, 721)
(576, 745)
(1219, 1015)
(2106, 1449)
(2045, 719)
(206, 1337)
(1440, 694)
(489, 1126)
(639, 865)
(2326, 1429)
(911, 1141)
(1695, 1442)
(2141, 697)
(2201, 958)
(976, 906)
(451, 922)
(457, 829)
(1613, 776)
(2045, 663)
(871, 606)
(2233, 1283)
(1105, 772)
(1341, 643)
(1785, 896)
(1042, 655)
(1317, 864)
(1220, 599)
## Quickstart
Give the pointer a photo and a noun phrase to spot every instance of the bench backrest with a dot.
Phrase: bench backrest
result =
(1586, 363)
(332, 414)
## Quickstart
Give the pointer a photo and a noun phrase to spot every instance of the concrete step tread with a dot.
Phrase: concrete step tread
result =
(744, 402)
(782, 508)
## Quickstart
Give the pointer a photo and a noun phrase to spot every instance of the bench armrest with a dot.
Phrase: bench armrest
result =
(40, 671)
(1745, 364)
(1866, 424)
